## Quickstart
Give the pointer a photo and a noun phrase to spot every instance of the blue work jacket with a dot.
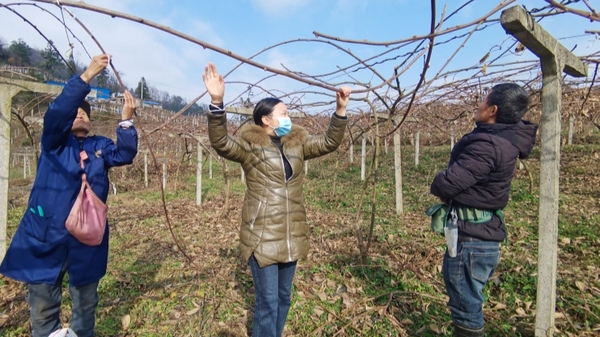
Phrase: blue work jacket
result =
(42, 244)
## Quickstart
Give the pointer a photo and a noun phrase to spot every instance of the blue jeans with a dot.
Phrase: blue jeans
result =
(44, 301)
(465, 277)
(273, 289)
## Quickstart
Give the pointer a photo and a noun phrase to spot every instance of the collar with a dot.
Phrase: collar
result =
(255, 134)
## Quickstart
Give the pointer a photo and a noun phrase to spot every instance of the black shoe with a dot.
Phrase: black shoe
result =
(461, 331)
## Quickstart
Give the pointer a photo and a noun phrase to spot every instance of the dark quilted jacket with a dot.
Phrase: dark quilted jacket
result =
(482, 165)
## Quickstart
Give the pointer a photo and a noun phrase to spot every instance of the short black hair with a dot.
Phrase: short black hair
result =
(512, 102)
(264, 107)
(86, 107)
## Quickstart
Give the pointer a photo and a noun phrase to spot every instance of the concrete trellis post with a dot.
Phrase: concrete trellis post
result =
(398, 160)
(306, 167)
(8, 89)
(25, 160)
(164, 168)
(385, 145)
(199, 176)
(146, 169)
(351, 152)
(363, 158)
(209, 166)
(571, 126)
(398, 173)
(417, 140)
(555, 59)
(164, 177)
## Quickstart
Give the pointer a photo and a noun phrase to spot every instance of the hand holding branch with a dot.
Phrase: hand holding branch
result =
(97, 64)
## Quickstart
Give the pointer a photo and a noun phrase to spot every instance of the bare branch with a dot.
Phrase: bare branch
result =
(500, 6)
(593, 16)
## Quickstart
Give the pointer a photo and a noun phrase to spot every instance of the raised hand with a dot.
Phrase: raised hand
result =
(215, 85)
(342, 97)
(128, 107)
(97, 64)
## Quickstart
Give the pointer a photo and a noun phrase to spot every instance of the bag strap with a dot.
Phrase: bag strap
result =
(451, 213)
(500, 215)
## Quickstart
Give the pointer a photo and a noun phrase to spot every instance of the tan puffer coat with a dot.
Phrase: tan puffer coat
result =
(274, 226)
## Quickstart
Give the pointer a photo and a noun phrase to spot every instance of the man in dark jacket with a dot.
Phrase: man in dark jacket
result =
(42, 250)
(477, 184)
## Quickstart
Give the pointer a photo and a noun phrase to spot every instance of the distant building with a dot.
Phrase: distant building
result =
(147, 103)
(153, 104)
(102, 93)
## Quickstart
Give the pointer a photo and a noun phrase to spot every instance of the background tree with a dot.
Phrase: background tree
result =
(174, 103)
(51, 61)
(102, 79)
(3, 52)
(142, 89)
(20, 53)
(196, 109)
(112, 83)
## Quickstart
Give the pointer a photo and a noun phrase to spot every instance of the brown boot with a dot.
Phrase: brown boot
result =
(461, 331)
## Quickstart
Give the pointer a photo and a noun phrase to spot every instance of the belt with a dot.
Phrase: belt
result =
(467, 238)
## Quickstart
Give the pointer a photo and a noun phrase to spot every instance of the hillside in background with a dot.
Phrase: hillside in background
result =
(18, 58)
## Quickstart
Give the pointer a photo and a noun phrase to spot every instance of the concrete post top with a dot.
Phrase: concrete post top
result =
(523, 26)
(31, 86)
(16, 86)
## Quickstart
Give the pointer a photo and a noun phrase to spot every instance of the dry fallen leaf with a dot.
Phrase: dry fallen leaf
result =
(193, 311)
(407, 321)
(435, 328)
(580, 285)
(125, 321)
(347, 301)
(499, 306)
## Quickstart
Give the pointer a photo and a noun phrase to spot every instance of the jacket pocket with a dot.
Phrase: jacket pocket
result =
(255, 215)
(36, 225)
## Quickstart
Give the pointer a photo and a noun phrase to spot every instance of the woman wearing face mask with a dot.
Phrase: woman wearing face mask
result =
(274, 232)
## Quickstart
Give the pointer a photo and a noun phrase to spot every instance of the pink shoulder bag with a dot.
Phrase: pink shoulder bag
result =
(87, 219)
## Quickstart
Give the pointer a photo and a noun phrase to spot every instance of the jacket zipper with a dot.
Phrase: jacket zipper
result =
(255, 215)
(287, 208)
(287, 205)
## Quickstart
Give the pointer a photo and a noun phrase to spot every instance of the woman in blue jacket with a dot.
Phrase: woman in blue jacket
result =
(42, 250)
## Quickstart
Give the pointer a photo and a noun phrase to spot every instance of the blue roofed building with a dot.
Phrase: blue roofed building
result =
(97, 93)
